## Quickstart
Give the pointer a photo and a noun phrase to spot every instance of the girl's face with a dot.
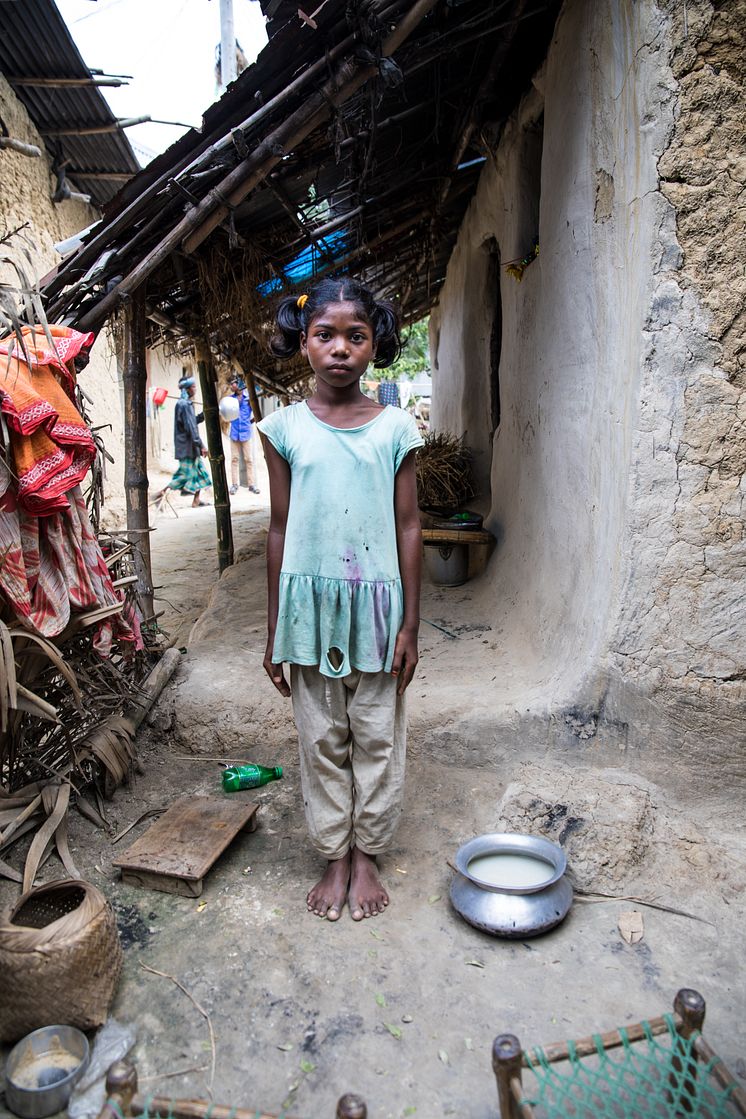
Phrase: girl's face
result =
(339, 344)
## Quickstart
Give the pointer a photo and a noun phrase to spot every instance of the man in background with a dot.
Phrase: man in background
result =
(240, 436)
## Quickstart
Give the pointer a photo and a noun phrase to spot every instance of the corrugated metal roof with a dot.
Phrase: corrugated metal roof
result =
(35, 43)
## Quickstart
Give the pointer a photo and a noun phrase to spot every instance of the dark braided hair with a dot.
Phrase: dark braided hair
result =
(292, 320)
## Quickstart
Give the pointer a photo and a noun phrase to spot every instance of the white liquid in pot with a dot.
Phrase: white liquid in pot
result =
(505, 869)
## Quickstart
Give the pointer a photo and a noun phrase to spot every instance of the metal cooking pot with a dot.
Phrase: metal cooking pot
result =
(42, 1070)
(515, 912)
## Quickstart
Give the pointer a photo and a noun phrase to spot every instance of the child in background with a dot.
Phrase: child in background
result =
(343, 566)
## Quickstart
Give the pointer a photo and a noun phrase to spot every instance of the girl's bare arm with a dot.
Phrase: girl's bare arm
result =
(279, 496)
(409, 545)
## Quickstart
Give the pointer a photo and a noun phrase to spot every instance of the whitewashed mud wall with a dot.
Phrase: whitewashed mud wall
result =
(615, 479)
(26, 189)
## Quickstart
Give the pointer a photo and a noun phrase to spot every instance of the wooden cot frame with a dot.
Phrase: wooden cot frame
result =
(508, 1059)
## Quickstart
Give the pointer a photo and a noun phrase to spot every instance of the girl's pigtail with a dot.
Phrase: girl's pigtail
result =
(290, 324)
(386, 332)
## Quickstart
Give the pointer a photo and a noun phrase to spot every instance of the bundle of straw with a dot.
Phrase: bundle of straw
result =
(444, 475)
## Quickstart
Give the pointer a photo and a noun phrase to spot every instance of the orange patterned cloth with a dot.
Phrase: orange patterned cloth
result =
(51, 445)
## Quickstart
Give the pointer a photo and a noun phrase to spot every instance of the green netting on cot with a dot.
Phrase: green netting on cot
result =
(634, 1081)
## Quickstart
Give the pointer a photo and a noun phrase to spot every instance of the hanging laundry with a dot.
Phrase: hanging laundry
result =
(51, 445)
(52, 568)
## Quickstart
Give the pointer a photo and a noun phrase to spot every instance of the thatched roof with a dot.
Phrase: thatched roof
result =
(353, 144)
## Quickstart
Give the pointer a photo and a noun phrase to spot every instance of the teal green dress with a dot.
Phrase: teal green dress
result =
(340, 585)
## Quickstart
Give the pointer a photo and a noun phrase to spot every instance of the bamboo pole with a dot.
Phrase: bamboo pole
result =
(203, 218)
(135, 447)
(67, 83)
(217, 458)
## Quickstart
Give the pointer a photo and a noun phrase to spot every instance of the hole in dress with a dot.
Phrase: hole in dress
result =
(336, 658)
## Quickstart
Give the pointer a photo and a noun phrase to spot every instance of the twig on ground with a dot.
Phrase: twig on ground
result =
(201, 1009)
(168, 1075)
(140, 818)
(597, 895)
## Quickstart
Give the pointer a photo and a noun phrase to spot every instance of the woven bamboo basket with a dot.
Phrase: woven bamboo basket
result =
(60, 959)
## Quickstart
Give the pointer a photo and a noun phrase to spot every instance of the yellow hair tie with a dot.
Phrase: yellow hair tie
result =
(301, 301)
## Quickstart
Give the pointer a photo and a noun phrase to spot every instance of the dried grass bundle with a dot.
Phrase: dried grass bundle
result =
(444, 473)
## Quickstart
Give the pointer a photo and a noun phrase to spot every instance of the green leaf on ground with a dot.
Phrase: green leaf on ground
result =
(381, 1000)
(409, 1111)
(307, 1066)
(433, 898)
(286, 1047)
(393, 1030)
(468, 1043)
(375, 933)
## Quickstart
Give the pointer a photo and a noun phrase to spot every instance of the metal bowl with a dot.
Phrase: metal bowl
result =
(511, 911)
(504, 843)
(42, 1070)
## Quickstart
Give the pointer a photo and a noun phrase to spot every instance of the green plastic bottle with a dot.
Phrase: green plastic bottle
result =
(237, 777)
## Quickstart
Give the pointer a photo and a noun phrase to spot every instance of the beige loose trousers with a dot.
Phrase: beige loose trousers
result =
(352, 736)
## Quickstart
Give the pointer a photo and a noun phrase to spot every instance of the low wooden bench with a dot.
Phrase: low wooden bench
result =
(457, 536)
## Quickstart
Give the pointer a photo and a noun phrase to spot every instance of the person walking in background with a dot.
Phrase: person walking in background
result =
(241, 432)
(191, 476)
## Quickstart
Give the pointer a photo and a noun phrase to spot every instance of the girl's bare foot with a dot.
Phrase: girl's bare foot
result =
(327, 897)
(367, 897)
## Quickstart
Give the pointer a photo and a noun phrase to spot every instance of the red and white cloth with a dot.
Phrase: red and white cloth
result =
(52, 568)
(50, 443)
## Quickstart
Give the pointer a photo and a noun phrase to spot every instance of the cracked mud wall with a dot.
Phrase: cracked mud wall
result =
(679, 653)
(26, 188)
(614, 481)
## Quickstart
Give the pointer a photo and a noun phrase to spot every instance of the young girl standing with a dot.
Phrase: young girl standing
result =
(343, 566)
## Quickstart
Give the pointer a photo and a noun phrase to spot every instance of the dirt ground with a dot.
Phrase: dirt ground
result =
(403, 1008)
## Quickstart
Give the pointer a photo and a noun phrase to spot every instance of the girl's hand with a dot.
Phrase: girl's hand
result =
(405, 658)
(275, 672)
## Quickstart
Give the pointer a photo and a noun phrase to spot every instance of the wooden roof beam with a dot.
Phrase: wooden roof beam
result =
(66, 83)
(96, 129)
(101, 176)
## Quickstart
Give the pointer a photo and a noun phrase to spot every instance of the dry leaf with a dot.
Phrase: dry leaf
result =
(475, 963)
(201, 905)
(443, 1056)
(631, 927)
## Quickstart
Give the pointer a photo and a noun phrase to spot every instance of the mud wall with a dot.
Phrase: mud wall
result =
(614, 480)
(26, 189)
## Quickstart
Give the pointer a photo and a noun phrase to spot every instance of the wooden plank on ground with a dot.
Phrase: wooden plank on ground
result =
(176, 852)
